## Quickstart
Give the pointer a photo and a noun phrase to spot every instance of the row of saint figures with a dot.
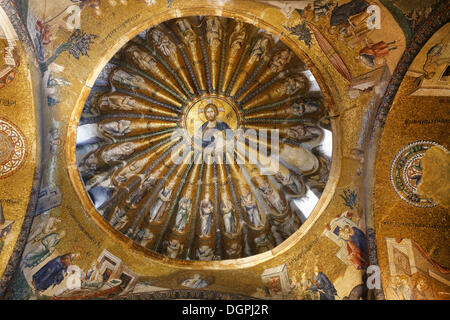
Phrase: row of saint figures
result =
(125, 139)
(139, 177)
(127, 142)
(124, 116)
(188, 57)
(166, 210)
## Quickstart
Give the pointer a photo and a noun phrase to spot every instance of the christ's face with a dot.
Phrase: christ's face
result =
(210, 114)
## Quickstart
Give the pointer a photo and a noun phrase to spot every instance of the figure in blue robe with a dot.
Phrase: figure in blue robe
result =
(323, 285)
(359, 239)
(251, 208)
(52, 273)
(207, 138)
(356, 245)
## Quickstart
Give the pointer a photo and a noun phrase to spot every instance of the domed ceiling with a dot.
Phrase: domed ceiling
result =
(205, 138)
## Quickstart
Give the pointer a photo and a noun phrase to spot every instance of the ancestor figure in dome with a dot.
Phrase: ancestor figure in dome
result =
(141, 58)
(206, 210)
(248, 203)
(213, 31)
(238, 36)
(162, 42)
(161, 203)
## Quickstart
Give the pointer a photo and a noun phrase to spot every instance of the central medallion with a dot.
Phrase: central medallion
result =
(208, 115)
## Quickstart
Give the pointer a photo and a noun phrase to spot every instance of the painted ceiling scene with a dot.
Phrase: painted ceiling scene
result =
(141, 160)
(229, 149)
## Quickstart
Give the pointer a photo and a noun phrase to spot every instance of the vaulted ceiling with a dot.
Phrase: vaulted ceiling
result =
(188, 199)
(247, 148)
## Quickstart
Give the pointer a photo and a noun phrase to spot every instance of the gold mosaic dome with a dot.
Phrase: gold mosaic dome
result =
(205, 138)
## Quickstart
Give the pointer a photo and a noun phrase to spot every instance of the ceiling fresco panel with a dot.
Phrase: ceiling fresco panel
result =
(127, 212)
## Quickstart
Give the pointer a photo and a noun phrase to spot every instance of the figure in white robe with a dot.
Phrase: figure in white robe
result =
(144, 237)
(229, 218)
(118, 152)
(290, 181)
(185, 28)
(128, 80)
(248, 202)
(195, 283)
(131, 170)
(118, 102)
(173, 249)
(73, 280)
(160, 204)
(259, 49)
(238, 36)
(115, 128)
(273, 197)
(90, 163)
(142, 59)
(205, 253)
(184, 208)
(163, 43)
(206, 209)
(213, 31)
